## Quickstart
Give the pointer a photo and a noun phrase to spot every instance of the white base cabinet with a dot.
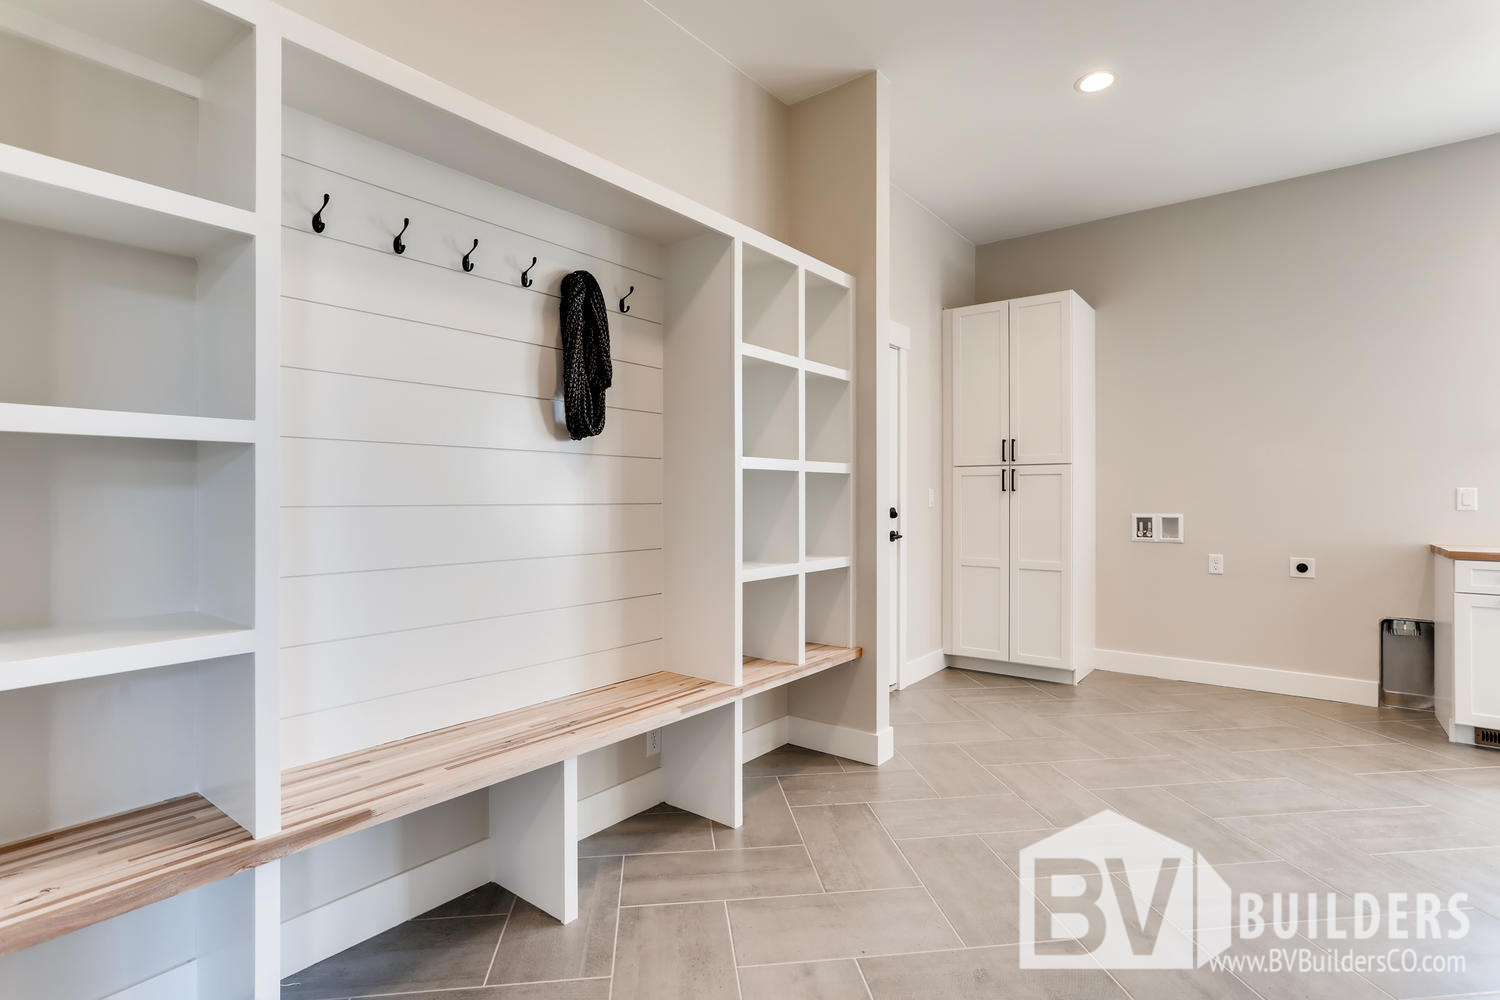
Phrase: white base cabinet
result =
(1466, 683)
(1019, 446)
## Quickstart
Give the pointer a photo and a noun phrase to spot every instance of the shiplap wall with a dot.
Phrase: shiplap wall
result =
(447, 551)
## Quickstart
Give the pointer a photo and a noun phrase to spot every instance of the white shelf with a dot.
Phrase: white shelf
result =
(770, 464)
(44, 191)
(750, 350)
(834, 468)
(29, 657)
(819, 564)
(828, 371)
(22, 418)
(753, 571)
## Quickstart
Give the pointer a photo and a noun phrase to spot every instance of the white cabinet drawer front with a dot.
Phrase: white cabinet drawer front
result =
(1476, 577)
(1476, 636)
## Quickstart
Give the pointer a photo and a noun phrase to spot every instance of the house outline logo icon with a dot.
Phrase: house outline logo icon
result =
(1109, 891)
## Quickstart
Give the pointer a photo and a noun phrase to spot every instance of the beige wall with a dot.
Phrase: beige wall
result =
(613, 76)
(1305, 368)
(932, 269)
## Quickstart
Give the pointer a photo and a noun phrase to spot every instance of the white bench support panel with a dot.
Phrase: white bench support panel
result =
(534, 834)
(700, 763)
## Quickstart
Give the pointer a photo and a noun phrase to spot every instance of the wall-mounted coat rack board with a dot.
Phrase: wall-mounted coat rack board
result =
(303, 566)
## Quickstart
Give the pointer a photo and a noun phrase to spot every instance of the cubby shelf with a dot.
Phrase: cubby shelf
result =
(71, 652)
(827, 371)
(768, 355)
(770, 464)
(818, 564)
(24, 418)
(40, 190)
(829, 467)
(752, 571)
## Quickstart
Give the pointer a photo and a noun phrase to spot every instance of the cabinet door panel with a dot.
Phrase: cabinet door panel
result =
(981, 549)
(980, 391)
(1039, 557)
(1476, 639)
(1040, 366)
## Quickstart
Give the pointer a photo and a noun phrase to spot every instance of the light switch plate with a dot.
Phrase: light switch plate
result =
(931, 497)
(1467, 498)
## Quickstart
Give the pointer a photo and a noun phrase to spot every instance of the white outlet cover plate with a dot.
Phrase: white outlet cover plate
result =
(1216, 564)
(1467, 498)
(1312, 567)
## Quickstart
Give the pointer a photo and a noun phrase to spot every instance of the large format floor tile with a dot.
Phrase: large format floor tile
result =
(848, 881)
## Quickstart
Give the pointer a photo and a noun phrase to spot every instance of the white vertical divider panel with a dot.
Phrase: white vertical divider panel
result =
(701, 491)
(801, 640)
(266, 971)
(534, 837)
(225, 925)
(701, 760)
(268, 140)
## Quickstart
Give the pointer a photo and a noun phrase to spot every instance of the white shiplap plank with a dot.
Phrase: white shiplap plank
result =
(370, 216)
(348, 539)
(344, 605)
(325, 473)
(334, 339)
(324, 270)
(314, 141)
(318, 735)
(327, 675)
(356, 408)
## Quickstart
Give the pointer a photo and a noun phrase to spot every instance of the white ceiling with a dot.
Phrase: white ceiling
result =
(1211, 96)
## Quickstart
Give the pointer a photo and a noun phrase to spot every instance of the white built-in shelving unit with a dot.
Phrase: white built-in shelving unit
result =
(144, 208)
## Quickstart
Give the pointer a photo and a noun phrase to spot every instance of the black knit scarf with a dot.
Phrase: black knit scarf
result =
(585, 354)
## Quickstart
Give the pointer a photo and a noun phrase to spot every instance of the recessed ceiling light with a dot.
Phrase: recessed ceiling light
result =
(1092, 83)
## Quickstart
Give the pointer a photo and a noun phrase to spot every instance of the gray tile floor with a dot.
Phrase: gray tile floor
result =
(851, 881)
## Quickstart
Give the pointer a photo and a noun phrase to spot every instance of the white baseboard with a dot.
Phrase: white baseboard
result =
(603, 810)
(328, 930)
(920, 667)
(763, 739)
(1237, 675)
(1052, 675)
(853, 744)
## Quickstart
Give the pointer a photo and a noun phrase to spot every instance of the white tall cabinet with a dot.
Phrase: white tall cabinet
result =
(1018, 445)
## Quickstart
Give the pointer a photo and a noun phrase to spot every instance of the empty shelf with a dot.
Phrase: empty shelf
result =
(817, 564)
(768, 355)
(40, 190)
(24, 418)
(763, 675)
(751, 571)
(65, 653)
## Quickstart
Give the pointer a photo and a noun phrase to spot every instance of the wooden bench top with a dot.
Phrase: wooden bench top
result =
(67, 879)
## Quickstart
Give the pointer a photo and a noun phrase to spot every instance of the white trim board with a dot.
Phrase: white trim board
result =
(852, 744)
(762, 740)
(919, 668)
(604, 809)
(1325, 687)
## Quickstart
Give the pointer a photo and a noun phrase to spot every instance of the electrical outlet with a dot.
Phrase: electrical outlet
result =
(653, 743)
(1303, 567)
(1216, 564)
(1467, 498)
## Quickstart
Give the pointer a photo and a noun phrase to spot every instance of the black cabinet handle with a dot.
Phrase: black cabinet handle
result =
(1002, 480)
(1015, 456)
(1013, 479)
(1002, 449)
(896, 536)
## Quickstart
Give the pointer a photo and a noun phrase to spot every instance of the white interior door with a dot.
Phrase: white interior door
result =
(977, 338)
(981, 563)
(1039, 539)
(1040, 382)
(895, 489)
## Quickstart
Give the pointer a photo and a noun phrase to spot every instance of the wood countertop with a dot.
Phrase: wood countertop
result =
(1476, 553)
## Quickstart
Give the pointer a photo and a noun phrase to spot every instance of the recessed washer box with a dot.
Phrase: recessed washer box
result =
(1157, 527)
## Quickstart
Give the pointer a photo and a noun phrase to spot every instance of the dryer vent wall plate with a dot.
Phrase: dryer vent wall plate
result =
(1157, 527)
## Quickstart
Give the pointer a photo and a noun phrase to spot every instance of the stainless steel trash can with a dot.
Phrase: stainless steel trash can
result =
(1406, 663)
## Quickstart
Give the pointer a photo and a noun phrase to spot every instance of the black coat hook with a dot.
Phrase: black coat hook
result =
(396, 243)
(469, 264)
(525, 281)
(623, 307)
(318, 224)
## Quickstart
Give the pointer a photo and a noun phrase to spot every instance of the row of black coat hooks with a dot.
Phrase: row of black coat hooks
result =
(399, 246)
